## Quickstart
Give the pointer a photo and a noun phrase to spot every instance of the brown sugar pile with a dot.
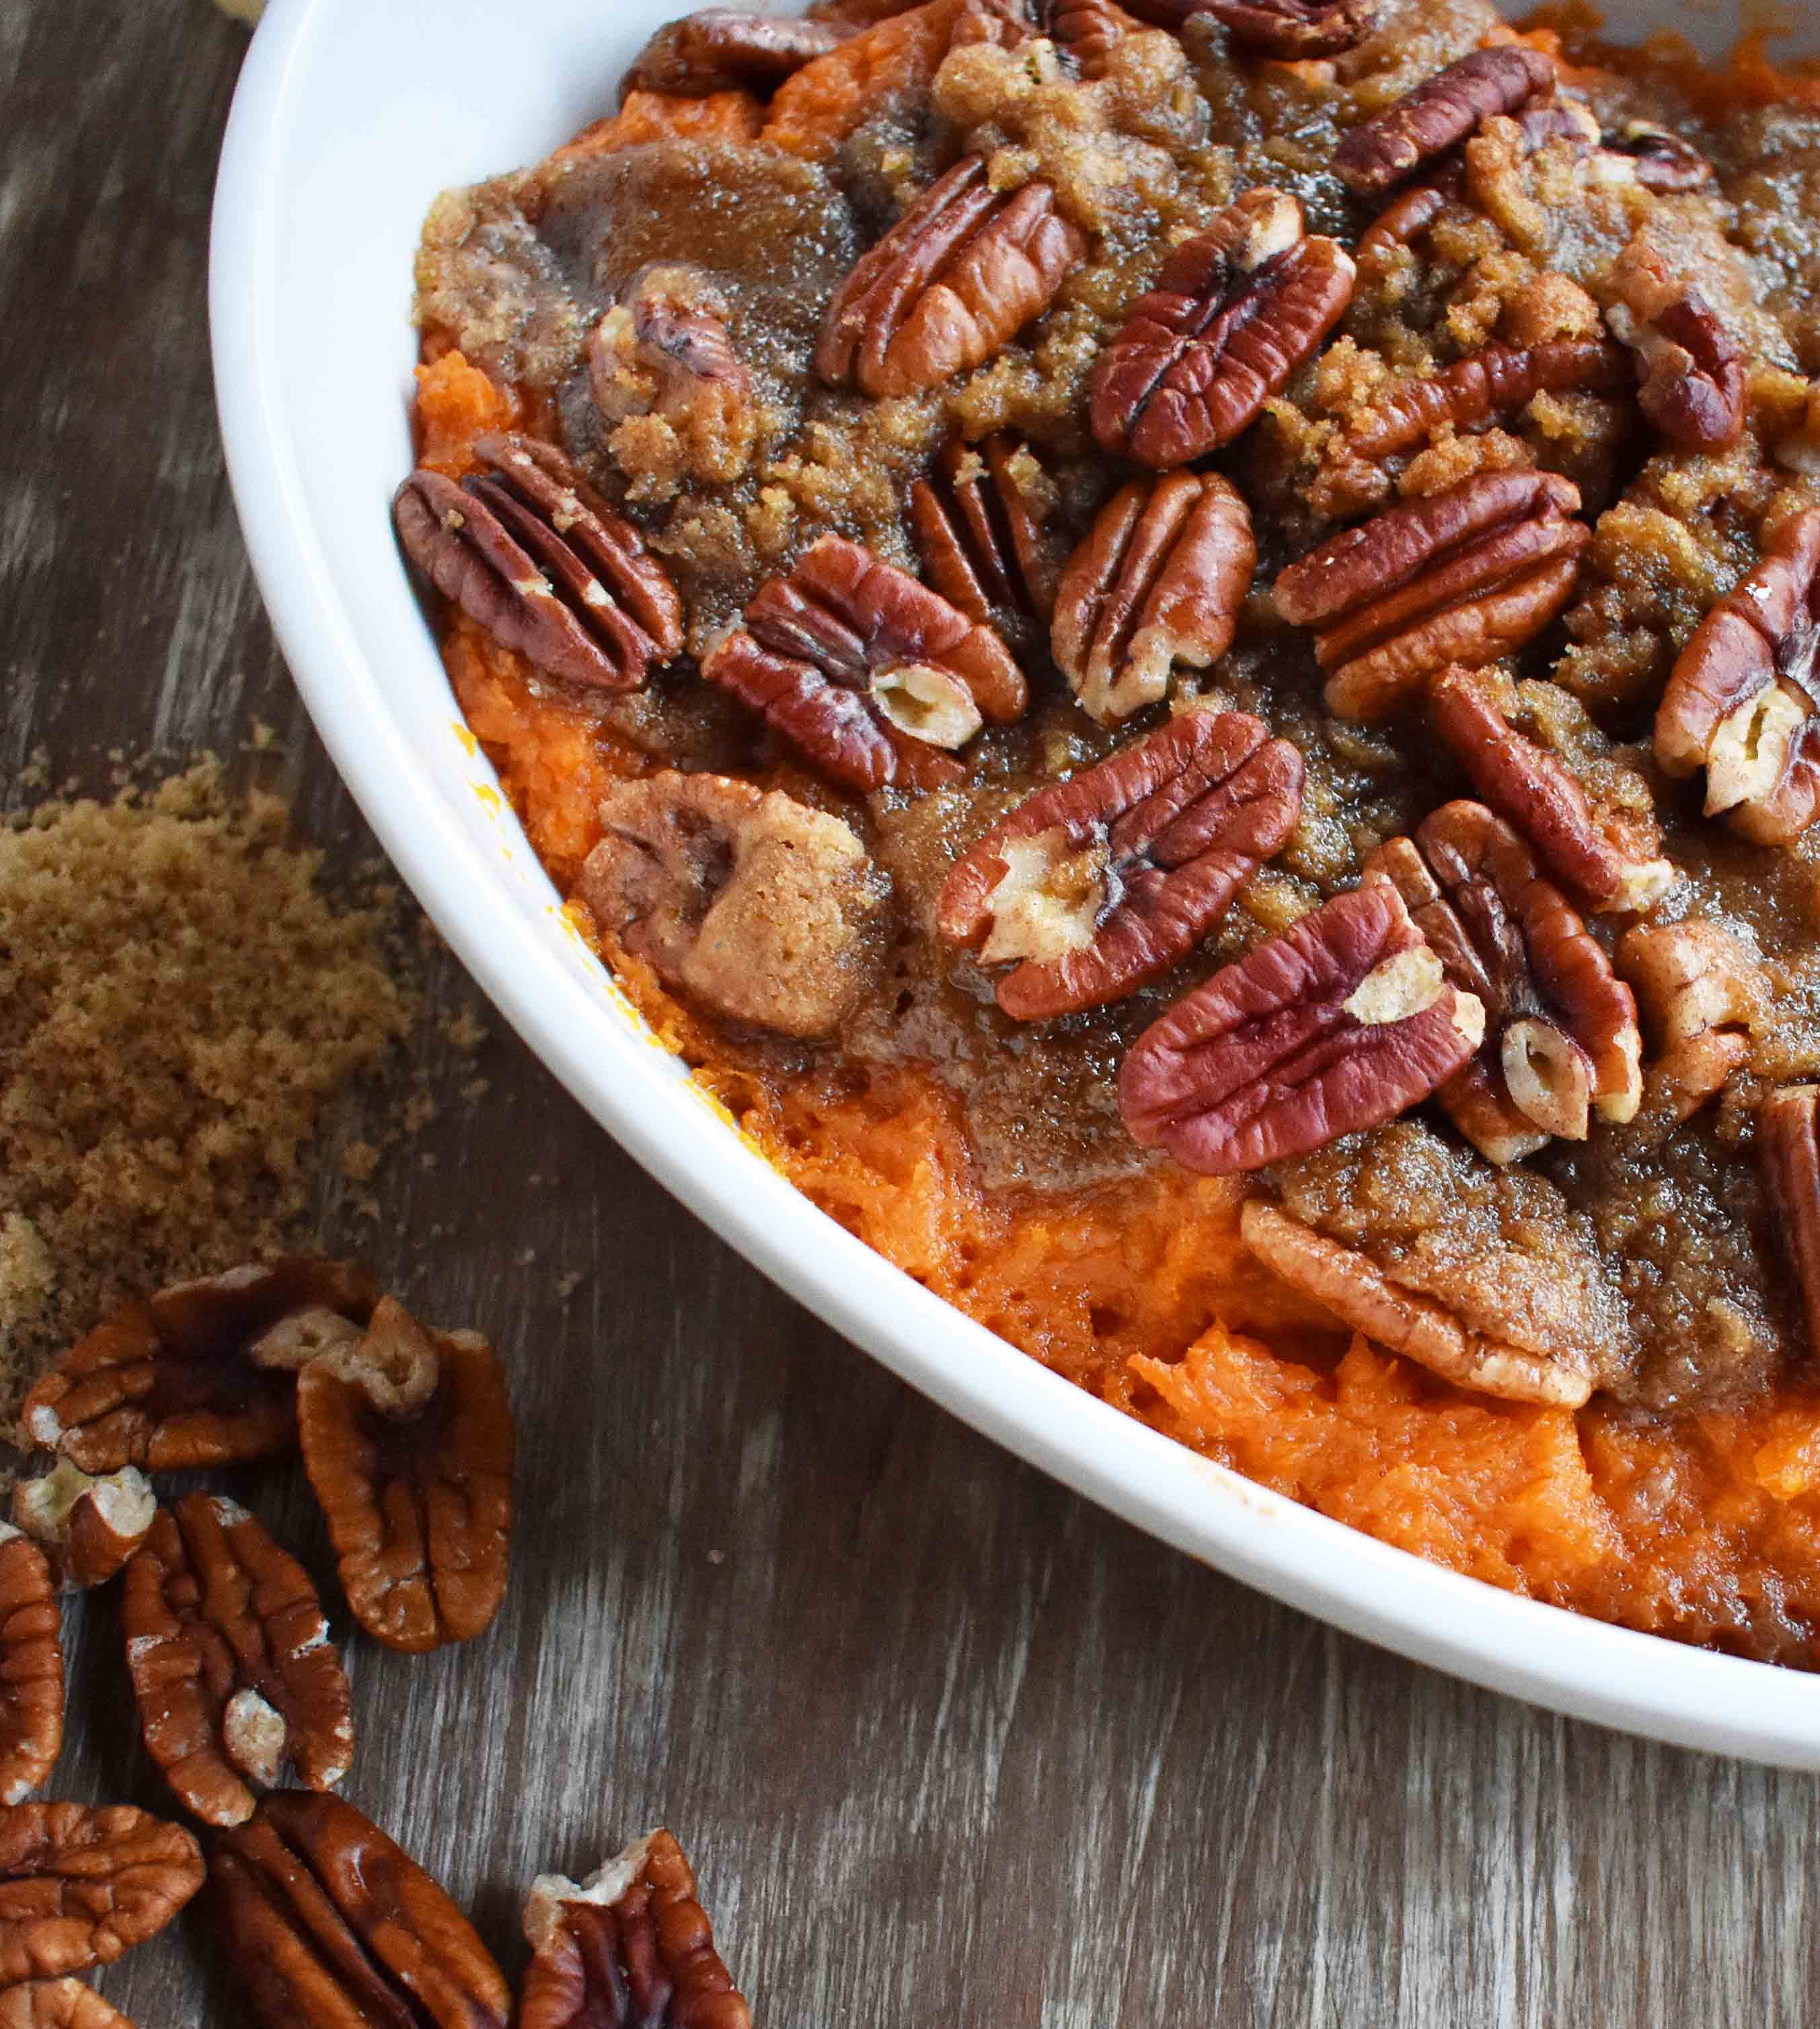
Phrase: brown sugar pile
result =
(180, 1002)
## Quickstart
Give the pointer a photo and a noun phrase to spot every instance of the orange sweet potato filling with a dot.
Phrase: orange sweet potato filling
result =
(1708, 1530)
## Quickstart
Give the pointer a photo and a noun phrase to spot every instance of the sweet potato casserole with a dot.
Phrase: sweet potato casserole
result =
(1179, 646)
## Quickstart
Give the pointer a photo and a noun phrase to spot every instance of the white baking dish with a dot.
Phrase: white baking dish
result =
(351, 115)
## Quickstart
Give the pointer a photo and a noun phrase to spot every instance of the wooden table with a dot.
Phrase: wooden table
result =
(948, 1746)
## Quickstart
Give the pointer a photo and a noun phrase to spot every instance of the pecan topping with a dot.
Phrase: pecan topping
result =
(30, 1668)
(725, 49)
(629, 1945)
(1358, 1293)
(1561, 1037)
(328, 1920)
(1103, 881)
(87, 1527)
(1612, 861)
(1467, 576)
(543, 564)
(409, 1443)
(1741, 702)
(755, 906)
(857, 667)
(980, 528)
(80, 1886)
(958, 277)
(1342, 1021)
(1693, 372)
(1439, 114)
(1472, 392)
(57, 2003)
(663, 350)
(1658, 160)
(1701, 991)
(1233, 315)
(230, 1661)
(176, 1382)
(1084, 32)
(1156, 587)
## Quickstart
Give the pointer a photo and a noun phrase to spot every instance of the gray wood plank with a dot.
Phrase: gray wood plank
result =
(948, 1746)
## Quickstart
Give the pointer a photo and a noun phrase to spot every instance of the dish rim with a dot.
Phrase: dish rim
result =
(1566, 1661)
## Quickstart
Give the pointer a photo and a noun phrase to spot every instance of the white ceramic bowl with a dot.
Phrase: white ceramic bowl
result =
(351, 115)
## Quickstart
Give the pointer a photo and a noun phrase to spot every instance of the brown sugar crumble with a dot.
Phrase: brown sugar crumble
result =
(186, 1013)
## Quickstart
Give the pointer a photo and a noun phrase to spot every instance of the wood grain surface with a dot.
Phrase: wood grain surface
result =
(948, 1746)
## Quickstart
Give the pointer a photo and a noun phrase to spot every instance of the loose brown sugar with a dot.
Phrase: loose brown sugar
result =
(181, 1003)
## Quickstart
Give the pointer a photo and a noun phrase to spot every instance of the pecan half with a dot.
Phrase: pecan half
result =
(30, 1668)
(1700, 990)
(725, 49)
(176, 1382)
(981, 531)
(755, 906)
(543, 564)
(1293, 31)
(858, 666)
(663, 350)
(1084, 32)
(1612, 861)
(1561, 1036)
(1103, 881)
(1358, 1291)
(1156, 587)
(1693, 371)
(958, 277)
(1233, 315)
(230, 1661)
(1742, 698)
(1788, 1146)
(1658, 160)
(631, 1945)
(1472, 392)
(328, 1920)
(57, 2003)
(1342, 1021)
(78, 1886)
(87, 1527)
(408, 1441)
(1439, 113)
(1467, 576)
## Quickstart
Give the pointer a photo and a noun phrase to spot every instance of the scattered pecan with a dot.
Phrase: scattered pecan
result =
(30, 1668)
(1658, 160)
(755, 906)
(1742, 700)
(629, 1945)
(1157, 586)
(327, 1921)
(663, 350)
(1467, 576)
(78, 1886)
(1700, 990)
(1439, 113)
(725, 49)
(176, 1382)
(87, 1527)
(958, 276)
(1103, 881)
(1233, 315)
(1360, 1295)
(1788, 1145)
(1292, 30)
(409, 1443)
(1342, 1021)
(1084, 32)
(857, 666)
(230, 1661)
(980, 529)
(1497, 380)
(57, 2003)
(1613, 861)
(1693, 372)
(1561, 1036)
(538, 557)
